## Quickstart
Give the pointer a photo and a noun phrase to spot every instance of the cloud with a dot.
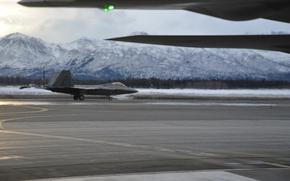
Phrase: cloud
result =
(62, 25)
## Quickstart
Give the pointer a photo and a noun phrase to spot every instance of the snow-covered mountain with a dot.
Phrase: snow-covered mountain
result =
(21, 55)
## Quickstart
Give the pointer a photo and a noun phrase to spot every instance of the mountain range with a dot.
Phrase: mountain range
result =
(25, 56)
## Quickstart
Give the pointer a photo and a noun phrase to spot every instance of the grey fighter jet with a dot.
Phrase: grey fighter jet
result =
(236, 10)
(62, 83)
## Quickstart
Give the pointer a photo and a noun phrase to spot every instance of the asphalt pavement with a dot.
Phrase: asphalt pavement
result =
(52, 138)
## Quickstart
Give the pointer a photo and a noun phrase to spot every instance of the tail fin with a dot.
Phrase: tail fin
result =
(62, 79)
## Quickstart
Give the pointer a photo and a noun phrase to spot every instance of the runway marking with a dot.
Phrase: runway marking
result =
(277, 164)
(39, 110)
(10, 157)
(28, 117)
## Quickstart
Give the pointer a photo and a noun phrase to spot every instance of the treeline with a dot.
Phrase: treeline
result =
(20, 81)
(163, 84)
(198, 84)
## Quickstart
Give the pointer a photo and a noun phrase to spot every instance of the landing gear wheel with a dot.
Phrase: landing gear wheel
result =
(81, 98)
(76, 98)
(109, 98)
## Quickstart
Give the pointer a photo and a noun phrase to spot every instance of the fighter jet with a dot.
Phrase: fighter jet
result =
(236, 10)
(62, 83)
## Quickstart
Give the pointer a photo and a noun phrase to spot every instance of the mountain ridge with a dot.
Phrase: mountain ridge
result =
(26, 56)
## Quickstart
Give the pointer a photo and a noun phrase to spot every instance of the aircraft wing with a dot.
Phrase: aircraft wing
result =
(236, 10)
(262, 42)
(114, 88)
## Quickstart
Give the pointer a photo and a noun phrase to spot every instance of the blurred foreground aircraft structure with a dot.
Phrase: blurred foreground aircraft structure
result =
(236, 10)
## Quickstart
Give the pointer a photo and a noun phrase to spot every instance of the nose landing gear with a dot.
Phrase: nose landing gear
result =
(79, 97)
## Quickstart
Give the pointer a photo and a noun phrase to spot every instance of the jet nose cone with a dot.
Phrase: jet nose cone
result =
(21, 3)
(133, 91)
(31, 3)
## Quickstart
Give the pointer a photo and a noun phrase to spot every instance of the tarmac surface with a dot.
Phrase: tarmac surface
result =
(52, 138)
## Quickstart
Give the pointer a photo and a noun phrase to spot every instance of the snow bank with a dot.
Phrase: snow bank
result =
(13, 90)
(204, 93)
(171, 93)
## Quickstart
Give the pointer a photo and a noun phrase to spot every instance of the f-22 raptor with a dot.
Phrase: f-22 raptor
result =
(62, 83)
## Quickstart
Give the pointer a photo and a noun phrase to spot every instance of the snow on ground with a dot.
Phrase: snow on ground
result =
(235, 93)
(14, 90)
(172, 93)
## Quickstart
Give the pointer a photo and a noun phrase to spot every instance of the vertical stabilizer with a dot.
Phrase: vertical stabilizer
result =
(62, 79)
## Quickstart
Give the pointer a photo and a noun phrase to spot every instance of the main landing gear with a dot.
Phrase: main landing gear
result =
(79, 97)
(109, 98)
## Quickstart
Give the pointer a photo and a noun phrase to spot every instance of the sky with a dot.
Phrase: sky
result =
(67, 24)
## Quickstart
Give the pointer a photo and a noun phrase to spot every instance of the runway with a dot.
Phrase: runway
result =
(52, 138)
